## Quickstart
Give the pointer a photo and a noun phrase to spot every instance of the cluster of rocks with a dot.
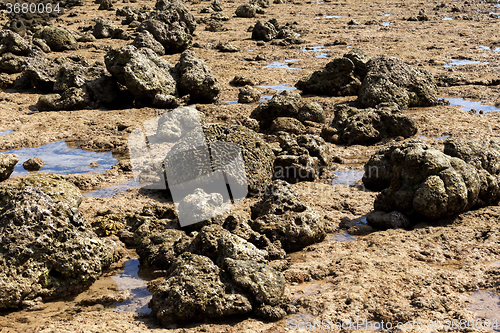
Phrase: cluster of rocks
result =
(384, 85)
(376, 80)
(47, 248)
(301, 158)
(286, 112)
(420, 181)
(267, 31)
(237, 252)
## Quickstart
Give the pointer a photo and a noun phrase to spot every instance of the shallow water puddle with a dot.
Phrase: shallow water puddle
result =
(319, 48)
(386, 24)
(277, 64)
(110, 191)
(328, 16)
(342, 237)
(487, 48)
(385, 14)
(456, 62)
(230, 102)
(279, 87)
(6, 132)
(130, 280)
(347, 177)
(435, 138)
(63, 158)
(486, 306)
(265, 98)
(448, 19)
(469, 105)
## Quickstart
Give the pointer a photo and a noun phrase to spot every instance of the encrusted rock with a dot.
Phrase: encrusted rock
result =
(33, 164)
(363, 126)
(58, 189)
(52, 253)
(142, 71)
(390, 80)
(7, 164)
(58, 39)
(13, 43)
(246, 10)
(103, 28)
(311, 111)
(196, 79)
(287, 124)
(248, 94)
(264, 31)
(193, 290)
(283, 104)
(146, 39)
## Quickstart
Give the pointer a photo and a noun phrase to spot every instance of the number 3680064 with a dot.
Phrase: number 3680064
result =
(31, 7)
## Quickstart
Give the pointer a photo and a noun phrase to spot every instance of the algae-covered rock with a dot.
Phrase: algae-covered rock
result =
(47, 249)
(340, 77)
(146, 39)
(58, 39)
(196, 79)
(58, 189)
(311, 111)
(7, 164)
(246, 10)
(142, 71)
(257, 155)
(485, 157)
(265, 284)
(248, 94)
(282, 217)
(264, 31)
(193, 290)
(424, 181)
(390, 80)
(362, 126)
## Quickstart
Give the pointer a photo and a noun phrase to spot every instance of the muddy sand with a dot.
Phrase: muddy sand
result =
(430, 272)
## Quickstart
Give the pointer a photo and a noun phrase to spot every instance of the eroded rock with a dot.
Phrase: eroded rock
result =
(7, 164)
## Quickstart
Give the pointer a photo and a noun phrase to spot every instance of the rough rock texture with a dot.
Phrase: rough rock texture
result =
(246, 10)
(266, 284)
(485, 157)
(7, 164)
(200, 206)
(47, 249)
(142, 71)
(71, 99)
(364, 126)
(11, 63)
(257, 154)
(58, 189)
(287, 124)
(196, 79)
(283, 104)
(248, 94)
(311, 111)
(421, 181)
(58, 39)
(282, 217)
(193, 290)
(340, 77)
(392, 220)
(13, 43)
(264, 31)
(390, 80)
(146, 39)
(103, 29)
(172, 27)
(33, 164)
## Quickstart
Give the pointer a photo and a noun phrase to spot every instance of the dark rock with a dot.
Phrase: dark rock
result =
(282, 217)
(422, 15)
(143, 72)
(33, 164)
(241, 80)
(283, 104)
(390, 80)
(58, 39)
(7, 164)
(146, 39)
(248, 94)
(268, 312)
(60, 256)
(295, 168)
(215, 26)
(311, 111)
(106, 5)
(339, 78)
(41, 44)
(103, 29)
(219, 16)
(264, 31)
(227, 47)
(193, 290)
(363, 126)
(196, 79)
(13, 43)
(17, 26)
(216, 6)
(11, 63)
(246, 10)
(71, 99)
(260, 3)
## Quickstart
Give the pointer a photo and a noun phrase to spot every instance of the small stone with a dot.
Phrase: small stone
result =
(33, 164)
